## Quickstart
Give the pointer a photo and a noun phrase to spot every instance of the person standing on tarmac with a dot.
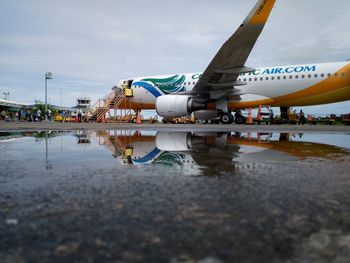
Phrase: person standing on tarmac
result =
(79, 116)
(19, 116)
(302, 120)
(38, 115)
(3, 115)
(49, 114)
(272, 115)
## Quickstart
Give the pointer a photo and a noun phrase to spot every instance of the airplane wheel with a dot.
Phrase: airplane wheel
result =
(240, 119)
(226, 118)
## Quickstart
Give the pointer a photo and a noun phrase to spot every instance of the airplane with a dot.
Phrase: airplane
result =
(228, 85)
(197, 153)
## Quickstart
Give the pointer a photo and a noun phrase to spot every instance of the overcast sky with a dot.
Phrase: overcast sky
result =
(90, 45)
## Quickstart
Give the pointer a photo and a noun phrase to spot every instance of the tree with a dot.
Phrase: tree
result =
(39, 105)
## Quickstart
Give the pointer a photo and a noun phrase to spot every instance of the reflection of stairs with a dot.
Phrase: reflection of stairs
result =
(112, 142)
(119, 146)
(113, 100)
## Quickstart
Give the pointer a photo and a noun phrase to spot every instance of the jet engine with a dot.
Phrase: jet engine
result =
(173, 141)
(172, 106)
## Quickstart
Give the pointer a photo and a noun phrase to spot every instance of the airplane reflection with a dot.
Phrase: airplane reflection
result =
(213, 151)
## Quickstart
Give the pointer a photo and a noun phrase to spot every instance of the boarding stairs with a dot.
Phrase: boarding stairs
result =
(102, 106)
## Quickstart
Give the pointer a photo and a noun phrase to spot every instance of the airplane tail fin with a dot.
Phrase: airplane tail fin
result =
(260, 13)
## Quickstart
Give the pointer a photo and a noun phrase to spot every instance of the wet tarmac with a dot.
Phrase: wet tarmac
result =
(167, 196)
(57, 126)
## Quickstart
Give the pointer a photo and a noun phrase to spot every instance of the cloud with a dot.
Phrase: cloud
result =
(90, 45)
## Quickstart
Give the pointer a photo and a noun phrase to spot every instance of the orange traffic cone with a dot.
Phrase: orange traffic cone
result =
(249, 136)
(259, 117)
(138, 117)
(250, 117)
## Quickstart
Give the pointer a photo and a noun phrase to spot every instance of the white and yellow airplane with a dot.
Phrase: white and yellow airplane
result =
(228, 85)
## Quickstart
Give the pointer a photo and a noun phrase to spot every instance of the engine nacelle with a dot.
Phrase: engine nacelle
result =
(172, 106)
(173, 141)
(206, 115)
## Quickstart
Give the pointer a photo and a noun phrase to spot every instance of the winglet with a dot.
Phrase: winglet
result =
(260, 12)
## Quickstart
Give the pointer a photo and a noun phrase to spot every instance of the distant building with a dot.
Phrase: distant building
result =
(11, 105)
(83, 104)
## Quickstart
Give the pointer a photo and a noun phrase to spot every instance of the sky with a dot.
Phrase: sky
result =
(90, 45)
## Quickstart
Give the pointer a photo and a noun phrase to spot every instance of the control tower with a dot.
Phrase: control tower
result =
(83, 104)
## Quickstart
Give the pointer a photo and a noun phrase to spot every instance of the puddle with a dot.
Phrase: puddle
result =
(188, 153)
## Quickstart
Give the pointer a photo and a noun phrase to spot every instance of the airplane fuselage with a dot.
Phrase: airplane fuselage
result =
(297, 85)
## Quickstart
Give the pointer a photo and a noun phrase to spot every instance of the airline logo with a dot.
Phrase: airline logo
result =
(285, 70)
(157, 86)
(272, 71)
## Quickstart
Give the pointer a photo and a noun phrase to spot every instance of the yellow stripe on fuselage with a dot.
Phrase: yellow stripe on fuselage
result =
(330, 90)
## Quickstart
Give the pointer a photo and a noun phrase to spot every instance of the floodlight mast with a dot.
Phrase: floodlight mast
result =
(48, 75)
(6, 94)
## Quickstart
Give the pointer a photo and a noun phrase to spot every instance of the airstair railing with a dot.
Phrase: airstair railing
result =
(102, 106)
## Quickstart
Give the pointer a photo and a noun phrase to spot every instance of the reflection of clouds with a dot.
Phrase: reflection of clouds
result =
(251, 149)
(10, 138)
(263, 156)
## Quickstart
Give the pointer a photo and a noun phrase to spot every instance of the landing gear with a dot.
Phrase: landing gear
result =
(284, 113)
(226, 118)
(239, 118)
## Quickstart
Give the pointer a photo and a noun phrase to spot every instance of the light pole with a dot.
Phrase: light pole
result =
(6, 94)
(48, 75)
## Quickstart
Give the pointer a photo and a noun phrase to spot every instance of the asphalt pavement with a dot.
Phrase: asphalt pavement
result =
(64, 201)
(30, 126)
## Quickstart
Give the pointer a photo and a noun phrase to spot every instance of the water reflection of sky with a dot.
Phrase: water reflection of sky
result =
(340, 140)
(146, 152)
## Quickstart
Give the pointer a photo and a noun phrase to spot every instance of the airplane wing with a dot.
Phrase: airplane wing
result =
(220, 77)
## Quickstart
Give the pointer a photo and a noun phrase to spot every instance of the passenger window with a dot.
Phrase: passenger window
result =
(343, 74)
(284, 77)
(329, 75)
(261, 79)
(267, 78)
(316, 76)
(278, 77)
(309, 76)
(303, 76)
(250, 79)
(335, 74)
(256, 79)
(296, 76)
(322, 75)
(245, 80)
(290, 77)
